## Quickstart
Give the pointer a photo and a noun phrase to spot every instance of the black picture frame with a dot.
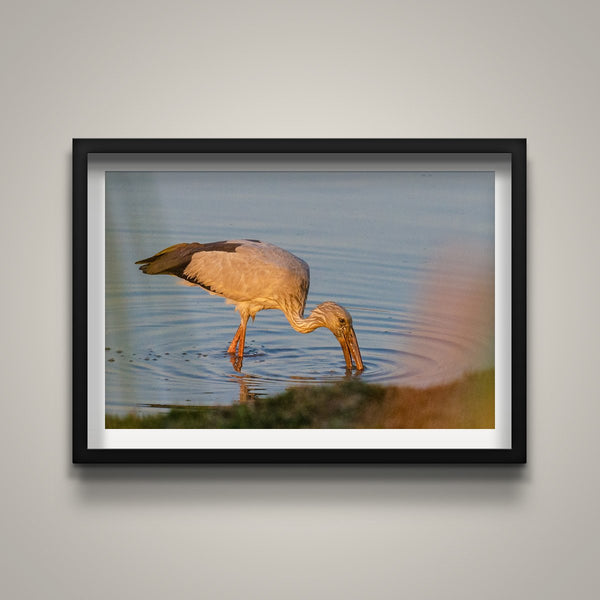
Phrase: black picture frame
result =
(515, 148)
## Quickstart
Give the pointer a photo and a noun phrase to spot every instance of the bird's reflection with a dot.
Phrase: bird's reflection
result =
(251, 390)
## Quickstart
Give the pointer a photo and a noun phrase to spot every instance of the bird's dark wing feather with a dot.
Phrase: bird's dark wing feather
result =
(175, 259)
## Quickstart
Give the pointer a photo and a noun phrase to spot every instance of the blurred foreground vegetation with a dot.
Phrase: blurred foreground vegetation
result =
(467, 403)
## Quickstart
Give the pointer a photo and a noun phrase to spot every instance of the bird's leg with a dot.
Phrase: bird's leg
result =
(234, 342)
(240, 340)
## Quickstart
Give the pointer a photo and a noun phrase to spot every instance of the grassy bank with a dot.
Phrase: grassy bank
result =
(465, 403)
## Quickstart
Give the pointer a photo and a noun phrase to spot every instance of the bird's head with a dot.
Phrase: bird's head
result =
(338, 320)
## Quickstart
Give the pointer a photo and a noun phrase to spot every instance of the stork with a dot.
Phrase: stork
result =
(255, 276)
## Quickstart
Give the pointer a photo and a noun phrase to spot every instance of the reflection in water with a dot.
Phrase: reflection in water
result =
(236, 362)
(414, 302)
(248, 391)
(251, 387)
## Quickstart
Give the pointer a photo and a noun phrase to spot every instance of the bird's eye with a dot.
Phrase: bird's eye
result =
(342, 321)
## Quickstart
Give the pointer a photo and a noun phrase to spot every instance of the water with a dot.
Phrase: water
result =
(410, 255)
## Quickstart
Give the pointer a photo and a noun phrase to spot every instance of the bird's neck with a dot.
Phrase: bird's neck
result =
(305, 325)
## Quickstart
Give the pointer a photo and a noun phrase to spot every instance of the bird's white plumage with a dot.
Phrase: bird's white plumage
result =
(256, 275)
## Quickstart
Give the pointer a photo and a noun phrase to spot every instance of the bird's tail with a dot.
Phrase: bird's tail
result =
(171, 260)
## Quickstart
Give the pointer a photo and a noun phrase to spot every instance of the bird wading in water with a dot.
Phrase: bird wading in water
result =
(255, 276)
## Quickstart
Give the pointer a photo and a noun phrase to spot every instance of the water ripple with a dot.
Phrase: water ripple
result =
(177, 355)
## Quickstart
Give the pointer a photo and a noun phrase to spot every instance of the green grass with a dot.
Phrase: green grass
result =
(465, 403)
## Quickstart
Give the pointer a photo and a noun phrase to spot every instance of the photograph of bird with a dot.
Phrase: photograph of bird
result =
(255, 276)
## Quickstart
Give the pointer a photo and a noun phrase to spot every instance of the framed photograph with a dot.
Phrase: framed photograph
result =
(299, 300)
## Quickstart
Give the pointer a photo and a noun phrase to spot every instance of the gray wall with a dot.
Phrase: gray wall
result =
(323, 69)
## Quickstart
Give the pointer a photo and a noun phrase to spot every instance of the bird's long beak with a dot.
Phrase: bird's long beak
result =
(349, 345)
